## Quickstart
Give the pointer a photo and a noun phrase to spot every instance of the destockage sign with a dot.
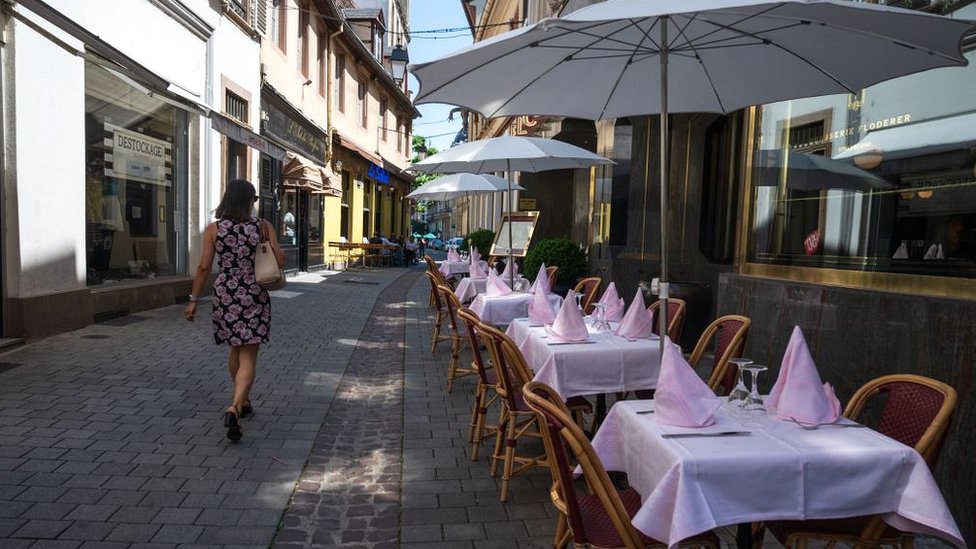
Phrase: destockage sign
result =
(137, 157)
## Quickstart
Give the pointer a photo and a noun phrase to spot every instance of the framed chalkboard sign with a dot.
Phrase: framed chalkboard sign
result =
(520, 225)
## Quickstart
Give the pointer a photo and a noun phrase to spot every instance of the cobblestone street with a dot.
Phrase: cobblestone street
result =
(111, 436)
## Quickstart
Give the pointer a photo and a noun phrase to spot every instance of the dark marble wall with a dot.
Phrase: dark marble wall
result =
(858, 335)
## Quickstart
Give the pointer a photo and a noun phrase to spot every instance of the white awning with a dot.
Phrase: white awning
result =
(929, 137)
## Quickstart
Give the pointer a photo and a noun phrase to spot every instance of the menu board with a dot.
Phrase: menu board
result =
(522, 226)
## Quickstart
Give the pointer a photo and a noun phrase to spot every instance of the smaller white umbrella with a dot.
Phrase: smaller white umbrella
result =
(509, 153)
(458, 185)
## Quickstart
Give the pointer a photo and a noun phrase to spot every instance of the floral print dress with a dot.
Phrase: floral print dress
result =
(241, 307)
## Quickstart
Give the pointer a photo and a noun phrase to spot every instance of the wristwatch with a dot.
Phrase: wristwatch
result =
(193, 298)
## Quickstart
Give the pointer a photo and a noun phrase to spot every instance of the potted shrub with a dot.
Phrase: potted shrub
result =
(481, 239)
(561, 252)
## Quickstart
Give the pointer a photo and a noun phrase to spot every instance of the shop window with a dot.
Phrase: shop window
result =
(316, 205)
(134, 179)
(893, 183)
(288, 230)
(345, 230)
(367, 202)
(378, 220)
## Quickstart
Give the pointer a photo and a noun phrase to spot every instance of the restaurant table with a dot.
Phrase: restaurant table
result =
(469, 288)
(608, 364)
(502, 310)
(777, 472)
(459, 268)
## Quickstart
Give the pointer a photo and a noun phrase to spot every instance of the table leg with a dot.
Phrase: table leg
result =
(743, 536)
(599, 411)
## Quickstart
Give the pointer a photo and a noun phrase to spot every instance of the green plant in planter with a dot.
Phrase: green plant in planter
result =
(560, 252)
(481, 239)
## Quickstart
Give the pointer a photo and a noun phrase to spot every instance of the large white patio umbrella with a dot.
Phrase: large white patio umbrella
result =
(459, 185)
(637, 57)
(510, 153)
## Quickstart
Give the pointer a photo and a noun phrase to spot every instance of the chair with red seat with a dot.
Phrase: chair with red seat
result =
(601, 519)
(516, 419)
(676, 317)
(588, 287)
(479, 429)
(552, 273)
(729, 335)
(916, 412)
(458, 338)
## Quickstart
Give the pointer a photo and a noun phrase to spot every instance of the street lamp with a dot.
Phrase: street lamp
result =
(398, 63)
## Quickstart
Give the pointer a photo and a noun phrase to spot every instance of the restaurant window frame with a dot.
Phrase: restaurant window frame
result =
(367, 208)
(345, 225)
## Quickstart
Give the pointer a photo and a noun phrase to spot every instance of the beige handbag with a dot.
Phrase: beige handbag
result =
(266, 270)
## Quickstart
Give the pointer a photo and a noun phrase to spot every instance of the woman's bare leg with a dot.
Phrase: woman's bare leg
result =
(233, 361)
(247, 358)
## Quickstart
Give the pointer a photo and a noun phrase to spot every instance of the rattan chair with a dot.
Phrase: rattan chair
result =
(479, 429)
(729, 334)
(588, 287)
(552, 273)
(516, 420)
(676, 317)
(601, 519)
(458, 338)
(916, 412)
(437, 304)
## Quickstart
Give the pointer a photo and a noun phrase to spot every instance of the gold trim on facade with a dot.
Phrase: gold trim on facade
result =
(921, 285)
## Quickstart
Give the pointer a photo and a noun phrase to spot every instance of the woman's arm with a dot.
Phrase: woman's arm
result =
(273, 240)
(203, 271)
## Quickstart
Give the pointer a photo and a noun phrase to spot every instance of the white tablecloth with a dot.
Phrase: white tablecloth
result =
(503, 310)
(469, 288)
(459, 268)
(779, 472)
(608, 365)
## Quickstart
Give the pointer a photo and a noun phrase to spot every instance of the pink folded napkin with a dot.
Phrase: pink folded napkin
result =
(475, 270)
(682, 399)
(569, 325)
(799, 393)
(495, 287)
(475, 256)
(541, 281)
(638, 321)
(507, 272)
(452, 255)
(615, 305)
(540, 310)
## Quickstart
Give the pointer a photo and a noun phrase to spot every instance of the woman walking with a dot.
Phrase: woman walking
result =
(241, 307)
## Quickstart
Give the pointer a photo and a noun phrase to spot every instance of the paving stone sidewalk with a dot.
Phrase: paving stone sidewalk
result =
(111, 436)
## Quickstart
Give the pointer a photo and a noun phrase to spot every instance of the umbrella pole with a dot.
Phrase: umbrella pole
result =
(662, 313)
(511, 270)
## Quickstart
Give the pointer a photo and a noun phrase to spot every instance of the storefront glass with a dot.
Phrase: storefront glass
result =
(134, 181)
(288, 229)
(881, 181)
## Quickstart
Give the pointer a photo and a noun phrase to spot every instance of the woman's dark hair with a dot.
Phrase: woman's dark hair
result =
(237, 200)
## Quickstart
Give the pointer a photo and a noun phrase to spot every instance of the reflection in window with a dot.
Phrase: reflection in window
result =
(288, 230)
(131, 172)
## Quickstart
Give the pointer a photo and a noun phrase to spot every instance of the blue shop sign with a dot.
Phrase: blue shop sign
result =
(378, 174)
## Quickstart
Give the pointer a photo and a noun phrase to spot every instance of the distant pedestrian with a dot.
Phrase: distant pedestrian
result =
(241, 307)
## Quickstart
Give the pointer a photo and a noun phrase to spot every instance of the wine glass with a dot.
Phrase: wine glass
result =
(579, 301)
(601, 325)
(739, 394)
(754, 402)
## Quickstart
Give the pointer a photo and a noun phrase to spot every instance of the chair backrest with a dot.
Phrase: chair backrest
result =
(559, 430)
(916, 413)
(471, 322)
(431, 264)
(508, 362)
(434, 292)
(729, 334)
(676, 317)
(551, 273)
(588, 287)
(452, 304)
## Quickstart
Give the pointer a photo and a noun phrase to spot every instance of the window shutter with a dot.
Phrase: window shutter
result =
(259, 15)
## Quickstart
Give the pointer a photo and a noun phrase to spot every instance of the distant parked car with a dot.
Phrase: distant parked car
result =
(437, 244)
(455, 242)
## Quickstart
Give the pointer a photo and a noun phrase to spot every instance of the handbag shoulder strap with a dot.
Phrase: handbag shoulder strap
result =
(263, 227)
